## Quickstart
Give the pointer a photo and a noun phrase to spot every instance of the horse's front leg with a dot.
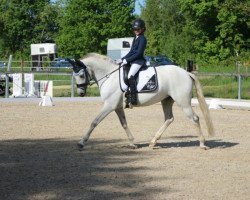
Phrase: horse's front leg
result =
(120, 112)
(104, 112)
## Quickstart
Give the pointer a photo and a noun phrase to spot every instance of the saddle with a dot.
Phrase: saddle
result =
(146, 78)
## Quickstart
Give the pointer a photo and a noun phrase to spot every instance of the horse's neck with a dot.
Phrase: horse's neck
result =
(99, 67)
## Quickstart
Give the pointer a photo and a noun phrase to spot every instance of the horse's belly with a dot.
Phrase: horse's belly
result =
(147, 99)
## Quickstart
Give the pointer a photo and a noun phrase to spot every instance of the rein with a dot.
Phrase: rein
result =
(106, 76)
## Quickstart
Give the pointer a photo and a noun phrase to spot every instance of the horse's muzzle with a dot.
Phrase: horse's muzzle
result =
(81, 91)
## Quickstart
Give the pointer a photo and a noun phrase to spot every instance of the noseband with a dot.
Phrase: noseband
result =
(83, 73)
(79, 69)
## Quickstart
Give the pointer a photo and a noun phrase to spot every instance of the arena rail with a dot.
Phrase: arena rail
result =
(46, 70)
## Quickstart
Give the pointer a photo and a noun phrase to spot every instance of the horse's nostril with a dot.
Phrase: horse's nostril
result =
(82, 94)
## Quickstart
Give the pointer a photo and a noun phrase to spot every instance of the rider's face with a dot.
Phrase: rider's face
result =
(138, 31)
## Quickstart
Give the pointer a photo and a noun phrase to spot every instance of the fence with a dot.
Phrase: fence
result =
(225, 85)
(220, 85)
(63, 81)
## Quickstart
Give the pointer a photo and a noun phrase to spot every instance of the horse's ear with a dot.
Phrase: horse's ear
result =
(80, 64)
(71, 62)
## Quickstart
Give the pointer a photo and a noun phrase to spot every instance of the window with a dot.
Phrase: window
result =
(125, 44)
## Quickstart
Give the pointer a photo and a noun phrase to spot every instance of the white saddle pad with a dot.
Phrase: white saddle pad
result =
(146, 80)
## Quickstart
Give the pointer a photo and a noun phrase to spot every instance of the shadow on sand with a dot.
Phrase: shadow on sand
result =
(210, 143)
(55, 169)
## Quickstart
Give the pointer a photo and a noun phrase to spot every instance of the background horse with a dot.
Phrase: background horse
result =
(174, 85)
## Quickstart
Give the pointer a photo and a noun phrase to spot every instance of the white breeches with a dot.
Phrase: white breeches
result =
(133, 69)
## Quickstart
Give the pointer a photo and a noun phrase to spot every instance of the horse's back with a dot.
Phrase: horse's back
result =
(175, 81)
(173, 76)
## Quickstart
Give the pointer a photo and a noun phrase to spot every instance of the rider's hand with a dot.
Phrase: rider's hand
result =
(124, 62)
(119, 61)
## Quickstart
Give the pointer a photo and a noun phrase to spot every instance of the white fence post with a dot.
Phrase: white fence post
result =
(239, 86)
(239, 78)
(72, 86)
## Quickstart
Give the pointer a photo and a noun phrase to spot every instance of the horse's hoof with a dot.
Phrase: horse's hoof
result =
(80, 146)
(131, 146)
(152, 145)
(204, 147)
(156, 147)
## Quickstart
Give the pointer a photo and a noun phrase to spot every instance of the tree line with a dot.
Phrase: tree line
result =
(208, 31)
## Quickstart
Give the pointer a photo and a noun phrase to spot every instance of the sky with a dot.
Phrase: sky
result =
(137, 6)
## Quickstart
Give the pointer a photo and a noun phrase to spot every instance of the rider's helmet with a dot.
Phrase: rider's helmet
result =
(139, 24)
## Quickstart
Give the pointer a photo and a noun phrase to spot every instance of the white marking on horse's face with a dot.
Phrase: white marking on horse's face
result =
(81, 91)
(80, 78)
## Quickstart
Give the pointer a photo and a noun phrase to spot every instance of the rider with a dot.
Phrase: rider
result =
(135, 57)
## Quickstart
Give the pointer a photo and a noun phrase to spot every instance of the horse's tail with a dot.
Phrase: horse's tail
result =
(203, 105)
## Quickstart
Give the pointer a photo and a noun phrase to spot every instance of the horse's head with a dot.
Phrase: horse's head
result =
(81, 75)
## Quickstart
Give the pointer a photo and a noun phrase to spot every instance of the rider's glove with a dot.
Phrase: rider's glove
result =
(119, 61)
(124, 62)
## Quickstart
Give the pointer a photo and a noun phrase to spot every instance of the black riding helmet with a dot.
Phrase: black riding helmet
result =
(138, 23)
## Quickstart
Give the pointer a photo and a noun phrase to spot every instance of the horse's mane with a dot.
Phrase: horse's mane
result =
(96, 55)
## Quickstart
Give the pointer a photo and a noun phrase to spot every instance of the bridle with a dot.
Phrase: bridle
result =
(79, 69)
(82, 71)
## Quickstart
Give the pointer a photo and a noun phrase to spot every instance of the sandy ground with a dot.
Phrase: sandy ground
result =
(39, 159)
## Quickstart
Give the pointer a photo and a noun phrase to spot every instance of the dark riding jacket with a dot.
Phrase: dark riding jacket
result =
(136, 53)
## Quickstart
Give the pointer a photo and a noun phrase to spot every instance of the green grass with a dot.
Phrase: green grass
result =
(224, 87)
(65, 91)
(223, 69)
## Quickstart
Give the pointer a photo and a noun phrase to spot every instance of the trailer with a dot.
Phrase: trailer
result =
(42, 53)
(118, 47)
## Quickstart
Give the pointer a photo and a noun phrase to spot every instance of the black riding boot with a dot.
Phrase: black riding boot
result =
(127, 97)
(133, 91)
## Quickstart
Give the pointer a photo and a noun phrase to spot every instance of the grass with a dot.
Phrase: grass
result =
(65, 91)
(225, 87)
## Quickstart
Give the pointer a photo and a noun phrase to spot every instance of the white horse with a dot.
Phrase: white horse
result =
(174, 85)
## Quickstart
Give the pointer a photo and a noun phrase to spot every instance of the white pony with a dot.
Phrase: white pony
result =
(174, 85)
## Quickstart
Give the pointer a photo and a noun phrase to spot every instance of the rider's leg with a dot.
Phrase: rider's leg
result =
(133, 69)
(133, 90)
(132, 83)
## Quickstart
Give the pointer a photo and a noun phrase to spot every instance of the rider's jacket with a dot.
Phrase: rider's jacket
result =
(136, 53)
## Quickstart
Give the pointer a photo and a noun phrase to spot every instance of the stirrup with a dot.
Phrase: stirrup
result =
(128, 105)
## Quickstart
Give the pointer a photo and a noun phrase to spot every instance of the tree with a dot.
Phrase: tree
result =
(164, 23)
(219, 27)
(204, 30)
(87, 25)
(23, 22)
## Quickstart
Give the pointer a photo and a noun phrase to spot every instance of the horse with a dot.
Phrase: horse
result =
(174, 85)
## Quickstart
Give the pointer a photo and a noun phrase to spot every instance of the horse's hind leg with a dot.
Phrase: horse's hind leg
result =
(120, 112)
(191, 115)
(167, 105)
